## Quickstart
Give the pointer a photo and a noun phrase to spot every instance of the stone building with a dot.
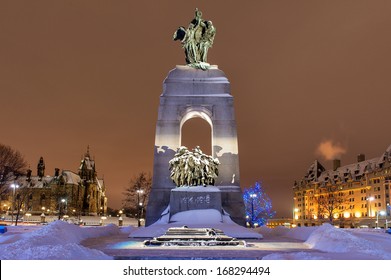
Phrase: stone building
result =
(352, 195)
(63, 193)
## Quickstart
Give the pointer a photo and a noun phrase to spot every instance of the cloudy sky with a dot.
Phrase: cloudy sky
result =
(310, 80)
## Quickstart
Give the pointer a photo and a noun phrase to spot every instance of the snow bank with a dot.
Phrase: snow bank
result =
(58, 241)
(300, 233)
(330, 239)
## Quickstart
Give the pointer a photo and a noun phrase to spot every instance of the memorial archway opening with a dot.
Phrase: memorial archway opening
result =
(197, 132)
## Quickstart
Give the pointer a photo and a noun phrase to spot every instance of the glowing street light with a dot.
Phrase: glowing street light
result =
(139, 206)
(13, 186)
(295, 210)
(370, 199)
(61, 206)
(383, 213)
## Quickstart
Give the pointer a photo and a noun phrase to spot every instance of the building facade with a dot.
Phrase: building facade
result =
(353, 195)
(63, 193)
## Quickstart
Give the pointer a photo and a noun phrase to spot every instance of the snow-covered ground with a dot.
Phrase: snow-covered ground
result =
(63, 241)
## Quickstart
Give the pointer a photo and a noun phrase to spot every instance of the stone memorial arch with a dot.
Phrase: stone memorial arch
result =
(194, 93)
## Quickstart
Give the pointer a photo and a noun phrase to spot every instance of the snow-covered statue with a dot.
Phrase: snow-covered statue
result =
(196, 40)
(193, 168)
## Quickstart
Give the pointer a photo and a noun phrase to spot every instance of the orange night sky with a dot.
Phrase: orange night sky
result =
(304, 74)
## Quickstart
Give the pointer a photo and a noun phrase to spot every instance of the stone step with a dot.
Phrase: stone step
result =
(194, 237)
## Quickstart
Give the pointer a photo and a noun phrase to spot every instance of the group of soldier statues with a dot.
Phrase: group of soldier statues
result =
(193, 168)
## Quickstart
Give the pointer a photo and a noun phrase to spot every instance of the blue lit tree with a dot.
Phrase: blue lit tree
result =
(258, 205)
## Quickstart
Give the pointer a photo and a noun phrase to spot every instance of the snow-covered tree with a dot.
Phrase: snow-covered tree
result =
(258, 205)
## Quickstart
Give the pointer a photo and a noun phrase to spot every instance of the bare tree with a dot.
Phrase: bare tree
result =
(330, 200)
(12, 165)
(137, 194)
(20, 198)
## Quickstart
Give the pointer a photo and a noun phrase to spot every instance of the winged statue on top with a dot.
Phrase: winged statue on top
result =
(196, 41)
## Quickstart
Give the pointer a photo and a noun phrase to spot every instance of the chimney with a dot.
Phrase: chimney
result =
(360, 157)
(336, 164)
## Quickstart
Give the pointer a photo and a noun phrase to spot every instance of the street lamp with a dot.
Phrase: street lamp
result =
(60, 207)
(13, 186)
(377, 217)
(295, 210)
(139, 205)
(371, 198)
(253, 196)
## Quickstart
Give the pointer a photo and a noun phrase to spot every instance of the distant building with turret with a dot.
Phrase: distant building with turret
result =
(63, 193)
(357, 194)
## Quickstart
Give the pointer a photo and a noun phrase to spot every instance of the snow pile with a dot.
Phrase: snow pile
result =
(58, 240)
(328, 242)
(277, 231)
(327, 238)
(300, 233)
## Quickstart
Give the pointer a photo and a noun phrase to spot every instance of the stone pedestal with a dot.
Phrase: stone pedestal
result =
(190, 93)
(194, 198)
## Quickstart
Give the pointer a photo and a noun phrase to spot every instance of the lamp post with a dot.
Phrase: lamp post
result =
(377, 217)
(370, 199)
(60, 207)
(13, 186)
(139, 205)
(253, 196)
(120, 220)
(295, 210)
